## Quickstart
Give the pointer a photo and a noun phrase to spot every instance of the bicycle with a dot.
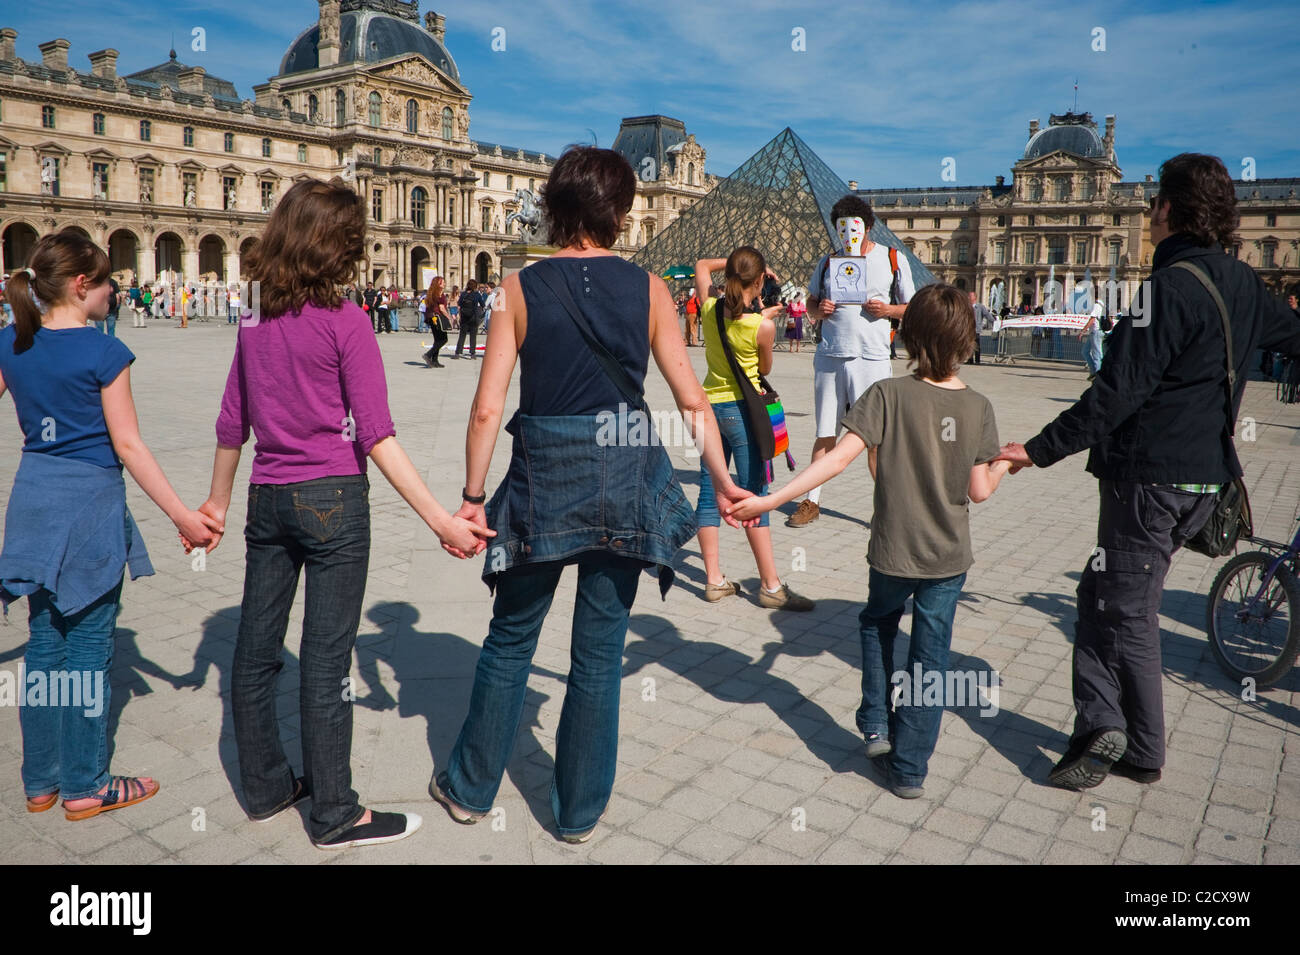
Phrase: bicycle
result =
(1253, 619)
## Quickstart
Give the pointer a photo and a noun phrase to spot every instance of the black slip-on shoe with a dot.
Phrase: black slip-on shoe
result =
(1087, 768)
(382, 827)
(1138, 774)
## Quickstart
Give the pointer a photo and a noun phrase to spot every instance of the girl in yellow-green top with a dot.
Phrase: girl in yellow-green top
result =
(750, 333)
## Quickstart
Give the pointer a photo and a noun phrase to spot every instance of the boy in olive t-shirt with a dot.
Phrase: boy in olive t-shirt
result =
(931, 441)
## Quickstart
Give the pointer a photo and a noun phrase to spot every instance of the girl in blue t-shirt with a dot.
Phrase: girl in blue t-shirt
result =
(68, 533)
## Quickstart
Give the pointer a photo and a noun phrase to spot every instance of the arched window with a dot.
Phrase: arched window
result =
(313, 108)
(97, 124)
(446, 122)
(1035, 190)
(187, 135)
(451, 210)
(286, 105)
(340, 107)
(374, 104)
(647, 231)
(146, 130)
(302, 152)
(266, 147)
(510, 183)
(419, 202)
(690, 174)
(378, 157)
(412, 116)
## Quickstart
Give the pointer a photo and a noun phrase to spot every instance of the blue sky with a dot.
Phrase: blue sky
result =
(883, 92)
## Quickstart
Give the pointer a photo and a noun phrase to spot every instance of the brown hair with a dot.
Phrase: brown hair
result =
(588, 192)
(745, 266)
(431, 297)
(938, 331)
(57, 258)
(310, 247)
(1201, 197)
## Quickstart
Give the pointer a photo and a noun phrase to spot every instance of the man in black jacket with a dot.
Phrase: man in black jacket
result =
(1157, 423)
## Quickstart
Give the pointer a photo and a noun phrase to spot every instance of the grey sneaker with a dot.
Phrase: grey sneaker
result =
(783, 599)
(878, 745)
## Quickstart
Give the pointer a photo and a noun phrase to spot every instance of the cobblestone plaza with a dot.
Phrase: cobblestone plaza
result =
(737, 741)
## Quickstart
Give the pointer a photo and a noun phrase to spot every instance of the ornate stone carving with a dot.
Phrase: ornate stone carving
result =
(462, 123)
(329, 23)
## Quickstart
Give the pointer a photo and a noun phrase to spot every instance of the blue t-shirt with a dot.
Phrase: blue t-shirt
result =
(55, 385)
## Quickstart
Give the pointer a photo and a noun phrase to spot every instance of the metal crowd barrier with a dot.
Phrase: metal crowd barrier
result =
(1052, 344)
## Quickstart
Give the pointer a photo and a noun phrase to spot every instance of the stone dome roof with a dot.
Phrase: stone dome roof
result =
(369, 36)
(1076, 139)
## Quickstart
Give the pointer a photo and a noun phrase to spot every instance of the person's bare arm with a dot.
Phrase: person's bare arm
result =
(984, 479)
(394, 463)
(766, 339)
(815, 475)
(704, 269)
(124, 432)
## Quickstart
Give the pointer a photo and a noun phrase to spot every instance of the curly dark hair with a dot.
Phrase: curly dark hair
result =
(1202, 199)
(850, 206)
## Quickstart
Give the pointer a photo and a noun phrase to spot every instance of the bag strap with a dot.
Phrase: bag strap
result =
(742, 379)
(1210, 287)
(611, 365)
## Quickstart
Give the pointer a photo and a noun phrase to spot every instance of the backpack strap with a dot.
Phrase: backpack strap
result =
(1231, 380)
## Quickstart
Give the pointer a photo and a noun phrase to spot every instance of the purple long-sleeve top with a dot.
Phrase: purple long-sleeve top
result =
(311, 386)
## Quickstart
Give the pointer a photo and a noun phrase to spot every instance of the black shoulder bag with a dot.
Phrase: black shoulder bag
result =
(1231, 519)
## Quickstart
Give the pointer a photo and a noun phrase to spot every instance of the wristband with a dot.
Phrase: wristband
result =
(472, 498)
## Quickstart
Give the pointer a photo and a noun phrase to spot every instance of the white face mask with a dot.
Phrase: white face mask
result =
(853, 232)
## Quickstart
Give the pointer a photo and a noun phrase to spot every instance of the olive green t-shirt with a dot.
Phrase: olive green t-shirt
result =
(929, 438)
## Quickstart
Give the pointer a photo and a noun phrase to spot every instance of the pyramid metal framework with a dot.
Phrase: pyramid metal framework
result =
(779, 201)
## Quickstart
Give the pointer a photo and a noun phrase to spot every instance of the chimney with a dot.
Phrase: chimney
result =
(104, 63)
(1109, 138)
(7, 38)
(190, 79)
(1033, 128)
(436, 24)
(327, 44)
(853, 185)
(55, 55)
(1002, 180)
(1149, 179)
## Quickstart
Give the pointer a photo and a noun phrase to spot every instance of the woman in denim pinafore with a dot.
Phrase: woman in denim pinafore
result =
(586, 485)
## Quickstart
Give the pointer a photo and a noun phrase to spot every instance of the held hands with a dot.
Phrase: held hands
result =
(1015, 454)
(748, 510)
(731, 497)
(466, 533)
(202, 528)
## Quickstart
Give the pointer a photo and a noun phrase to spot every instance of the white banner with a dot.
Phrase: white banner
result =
(1058, 320)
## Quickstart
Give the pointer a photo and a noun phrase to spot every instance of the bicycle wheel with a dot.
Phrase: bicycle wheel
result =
(1254, 630)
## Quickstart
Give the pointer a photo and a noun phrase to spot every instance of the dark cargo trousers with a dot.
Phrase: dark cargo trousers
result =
(1117, 667)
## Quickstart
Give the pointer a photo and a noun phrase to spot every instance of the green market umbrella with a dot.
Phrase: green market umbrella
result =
(678, 272)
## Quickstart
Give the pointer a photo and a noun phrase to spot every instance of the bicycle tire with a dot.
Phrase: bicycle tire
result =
(1255, 565)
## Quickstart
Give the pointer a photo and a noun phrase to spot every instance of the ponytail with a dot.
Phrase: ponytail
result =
(57, 258)
(27, 314)
(745, 266)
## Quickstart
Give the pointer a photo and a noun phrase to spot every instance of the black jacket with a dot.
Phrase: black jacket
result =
(1156, 411)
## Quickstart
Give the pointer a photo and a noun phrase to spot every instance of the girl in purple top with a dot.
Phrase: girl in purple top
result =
(308, 380)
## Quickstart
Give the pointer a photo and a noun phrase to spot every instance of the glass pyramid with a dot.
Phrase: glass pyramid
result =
(779, 201)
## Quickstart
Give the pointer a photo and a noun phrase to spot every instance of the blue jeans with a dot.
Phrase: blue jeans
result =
(751, 469)
(1092, 350)
(111, 322)
(323, 524)
(65, 748)
(912, 729)
(586, 742)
